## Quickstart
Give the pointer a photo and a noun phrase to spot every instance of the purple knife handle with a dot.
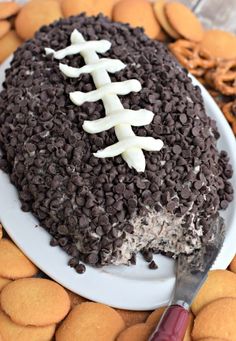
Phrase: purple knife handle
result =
(172, 326)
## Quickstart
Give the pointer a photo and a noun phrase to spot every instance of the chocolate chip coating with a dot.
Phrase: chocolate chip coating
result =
(87, 202)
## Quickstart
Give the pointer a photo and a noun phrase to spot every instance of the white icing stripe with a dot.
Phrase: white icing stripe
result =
(76, 37)
(143, 142)
(110, 65)
(100, 46)
(135, 118)
(129, 145)
(119, 88)
(133, 156)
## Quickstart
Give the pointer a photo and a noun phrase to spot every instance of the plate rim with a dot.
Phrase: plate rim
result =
(168, 284)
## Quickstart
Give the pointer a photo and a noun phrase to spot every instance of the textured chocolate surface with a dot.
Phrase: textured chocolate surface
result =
(80, 198)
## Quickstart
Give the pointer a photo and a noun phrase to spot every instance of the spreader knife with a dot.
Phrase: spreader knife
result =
(191, 274)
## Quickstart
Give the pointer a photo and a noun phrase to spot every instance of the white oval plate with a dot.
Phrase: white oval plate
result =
(134, 287)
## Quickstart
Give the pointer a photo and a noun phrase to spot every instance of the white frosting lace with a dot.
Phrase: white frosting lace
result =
(129, 145)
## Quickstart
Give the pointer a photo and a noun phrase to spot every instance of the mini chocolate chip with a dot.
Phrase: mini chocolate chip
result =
(80, 268)
(153, 265)
(30, 147)
(89, 203)
(106, 229)
(83, 222)
(120, 188)
(132, 203)
(229, 197)
(73, 262)
(133, 259)
(99, 230)
(63, 241)
(224, 204)
(183, 118)
(148, 256)
(118, 242)
(118, 205)
(158, 207)
(128, 194)
(129, 228)
(195, 131)
(54, 242)
(62, 229)
(177, 149)
(140, 184)
(92, 258)
(77, 180)
(185, 193)
(114, 233)
(197, 185)
(103, 220)
(171, 206)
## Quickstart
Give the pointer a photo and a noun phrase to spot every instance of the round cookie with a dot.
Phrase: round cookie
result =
(138, 13)
(8, 44)
(91, 321)
(217, 319)
(13, 263)
(232, 265)
(3, 282)
(4, 27)
(219, 44)
(34, 15)
(159, 10)
(7, 9)
(184, 21)
(90, 7)
(133, 317)
(12, 332)
(220, 283)
(138, 332)
(35, 301)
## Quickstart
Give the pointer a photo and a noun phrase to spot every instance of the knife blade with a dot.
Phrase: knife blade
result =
(191, 273)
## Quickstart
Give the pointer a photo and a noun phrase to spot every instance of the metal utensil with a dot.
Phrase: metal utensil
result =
(191, 274)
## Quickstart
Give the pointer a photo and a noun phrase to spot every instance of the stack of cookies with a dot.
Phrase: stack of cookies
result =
(38, 309)
(33, 308)
(30, 307)
(208, 55)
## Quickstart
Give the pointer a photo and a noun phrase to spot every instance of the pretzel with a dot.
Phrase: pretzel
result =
(209, 78)
(190, 56)
(224, 78)
(229, 111)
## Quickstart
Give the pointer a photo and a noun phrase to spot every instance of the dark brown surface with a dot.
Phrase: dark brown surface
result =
(49, 156)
